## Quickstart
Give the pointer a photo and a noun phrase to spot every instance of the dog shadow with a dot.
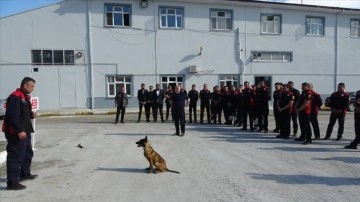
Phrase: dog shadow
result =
(124, 170)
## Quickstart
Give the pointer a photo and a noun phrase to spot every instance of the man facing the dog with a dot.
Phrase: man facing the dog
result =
(17, 127)
(178, 102)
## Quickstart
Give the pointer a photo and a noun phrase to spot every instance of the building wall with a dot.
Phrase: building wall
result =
(146, 53)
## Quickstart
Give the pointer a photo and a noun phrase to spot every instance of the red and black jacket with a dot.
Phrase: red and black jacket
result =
(18, 114)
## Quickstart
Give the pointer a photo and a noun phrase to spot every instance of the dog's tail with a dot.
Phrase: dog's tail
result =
(173, 171)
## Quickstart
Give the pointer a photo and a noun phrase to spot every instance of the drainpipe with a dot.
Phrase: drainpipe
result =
(336, 51)
(88, 43)
(239, 50)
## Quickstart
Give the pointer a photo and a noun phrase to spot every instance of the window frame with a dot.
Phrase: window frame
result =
(257, 58)
(124, 82)
(232, 80)
(42, 63)
(217, 22)
(168, 81)
(358, 28)
(176, 17)
(270, 15)
(113, 12)
(307, 30)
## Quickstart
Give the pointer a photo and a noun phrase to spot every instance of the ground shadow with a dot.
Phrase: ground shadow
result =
(125, 170)
(307, 148)
(306, 179)
(136, 134)
(350, 160)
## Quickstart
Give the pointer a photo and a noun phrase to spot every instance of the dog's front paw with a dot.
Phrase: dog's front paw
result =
(149, 168)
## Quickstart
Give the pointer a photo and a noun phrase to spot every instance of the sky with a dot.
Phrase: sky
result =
(10, 7)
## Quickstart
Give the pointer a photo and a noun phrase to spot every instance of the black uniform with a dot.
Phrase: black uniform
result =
(142, 96)
(158, 103)
(204, 104)
(248, 96)
(215, 106)
(148, 104)
(294, 116)
(193, 95)
(226, 106)
(315, 106)
(276, 95)
(178, 104)
(19, 151)
(285, 98)
(304, 116)
(239, 109)
(262, 107)
(338, 101)
(356, 142)
(121, 101)
(167, 102)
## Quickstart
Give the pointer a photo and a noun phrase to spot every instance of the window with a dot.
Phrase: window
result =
(221, 20)
(115, 83)
(171, 81)
(228, 80)
(52, 57)
(271, 24)
(271, 56)
(315, 26)
(117, 15)
(171, 18)
(354, 28)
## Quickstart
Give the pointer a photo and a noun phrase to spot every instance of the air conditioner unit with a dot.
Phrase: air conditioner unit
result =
(79, 57)
(194, 68)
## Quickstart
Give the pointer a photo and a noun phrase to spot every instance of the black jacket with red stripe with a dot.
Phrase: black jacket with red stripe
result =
(18, 114)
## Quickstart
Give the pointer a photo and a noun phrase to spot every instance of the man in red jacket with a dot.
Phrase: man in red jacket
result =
(17, 127)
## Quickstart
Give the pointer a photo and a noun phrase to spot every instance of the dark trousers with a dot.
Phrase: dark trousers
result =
(262, 115)
(204, 106)
(341, 120)
(168, 107)
(118, 110)
(248, 110)
(19, 157)
(285, 119)
(192, 108)
(315, 124)
(216, 112)
(357, 129)
(239, 115)
(294, 118)
(179, 118)
(277, 117)
(227, 113)
(147, 111)
(140, 111)
(156, 107)
(304, 120)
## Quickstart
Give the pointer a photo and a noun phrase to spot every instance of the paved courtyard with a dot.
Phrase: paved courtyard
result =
(217, 163)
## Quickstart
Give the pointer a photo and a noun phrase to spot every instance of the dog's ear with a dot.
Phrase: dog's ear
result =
(145, 137)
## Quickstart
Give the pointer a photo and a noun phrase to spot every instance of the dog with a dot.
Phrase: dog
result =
(155, 160)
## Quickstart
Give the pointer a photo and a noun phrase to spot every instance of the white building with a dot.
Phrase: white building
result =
(81, 51)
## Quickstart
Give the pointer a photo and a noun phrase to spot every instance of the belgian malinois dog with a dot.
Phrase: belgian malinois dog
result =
(154, 158)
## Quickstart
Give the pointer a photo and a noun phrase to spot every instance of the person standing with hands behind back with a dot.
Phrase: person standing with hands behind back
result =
(121, 102)
(179, 101)
(17, 127)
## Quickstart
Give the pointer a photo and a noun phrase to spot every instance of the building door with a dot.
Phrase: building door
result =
(268, 83)
(67, 90)
(171, 81)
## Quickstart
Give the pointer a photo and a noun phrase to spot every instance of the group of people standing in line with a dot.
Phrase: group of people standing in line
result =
(238, 104)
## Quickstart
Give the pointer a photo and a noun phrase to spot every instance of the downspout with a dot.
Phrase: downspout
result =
(336, 51)
(155, 45)
(89, 57)
(239, 50)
